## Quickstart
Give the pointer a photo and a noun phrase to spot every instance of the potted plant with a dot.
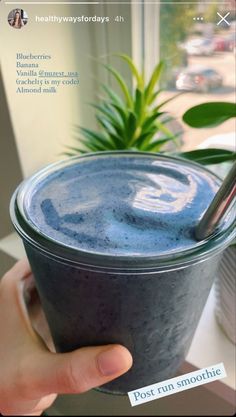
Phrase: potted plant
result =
(133, 120)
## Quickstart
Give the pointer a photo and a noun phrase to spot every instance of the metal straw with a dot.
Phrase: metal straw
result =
(219, 206)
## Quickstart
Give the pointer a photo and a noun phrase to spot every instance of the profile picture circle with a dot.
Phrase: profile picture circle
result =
(17, 18)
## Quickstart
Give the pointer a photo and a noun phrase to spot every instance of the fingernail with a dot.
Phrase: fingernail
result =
(112, 361)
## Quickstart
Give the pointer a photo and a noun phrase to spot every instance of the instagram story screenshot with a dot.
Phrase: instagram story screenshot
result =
(117, 208)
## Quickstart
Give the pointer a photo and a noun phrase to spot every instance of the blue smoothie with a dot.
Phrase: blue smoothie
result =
(123, 206)
(110, 239)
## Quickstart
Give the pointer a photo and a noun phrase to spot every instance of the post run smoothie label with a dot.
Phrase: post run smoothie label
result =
(175, 385)
(123, 205)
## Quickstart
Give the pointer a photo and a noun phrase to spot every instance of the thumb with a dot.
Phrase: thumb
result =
(78, 371)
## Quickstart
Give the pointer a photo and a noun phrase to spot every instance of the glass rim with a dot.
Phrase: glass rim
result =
(30, 233)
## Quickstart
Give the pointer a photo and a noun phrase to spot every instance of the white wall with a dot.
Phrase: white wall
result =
(41, 122)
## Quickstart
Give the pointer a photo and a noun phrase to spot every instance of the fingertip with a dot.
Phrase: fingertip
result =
(127, 357)
(115, 360)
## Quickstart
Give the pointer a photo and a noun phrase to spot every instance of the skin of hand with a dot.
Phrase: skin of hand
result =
(32, 374)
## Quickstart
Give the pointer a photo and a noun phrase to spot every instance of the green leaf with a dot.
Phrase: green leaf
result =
(138, 103)
(153, 81)
(90, 134)
(161, 126)
(209, 114)
(209, 156)
(94, 146)
(75, 150)
(121, 111)
(116, 140)
(131, 127)
(149, 121)
(134, 70)
(154, 96)
(113, 96)
(96, 139)
(113, 117)
(145, 138)
(105, 124)
(156, 145)
(122, 85)
(88, 146)
(119, 141)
